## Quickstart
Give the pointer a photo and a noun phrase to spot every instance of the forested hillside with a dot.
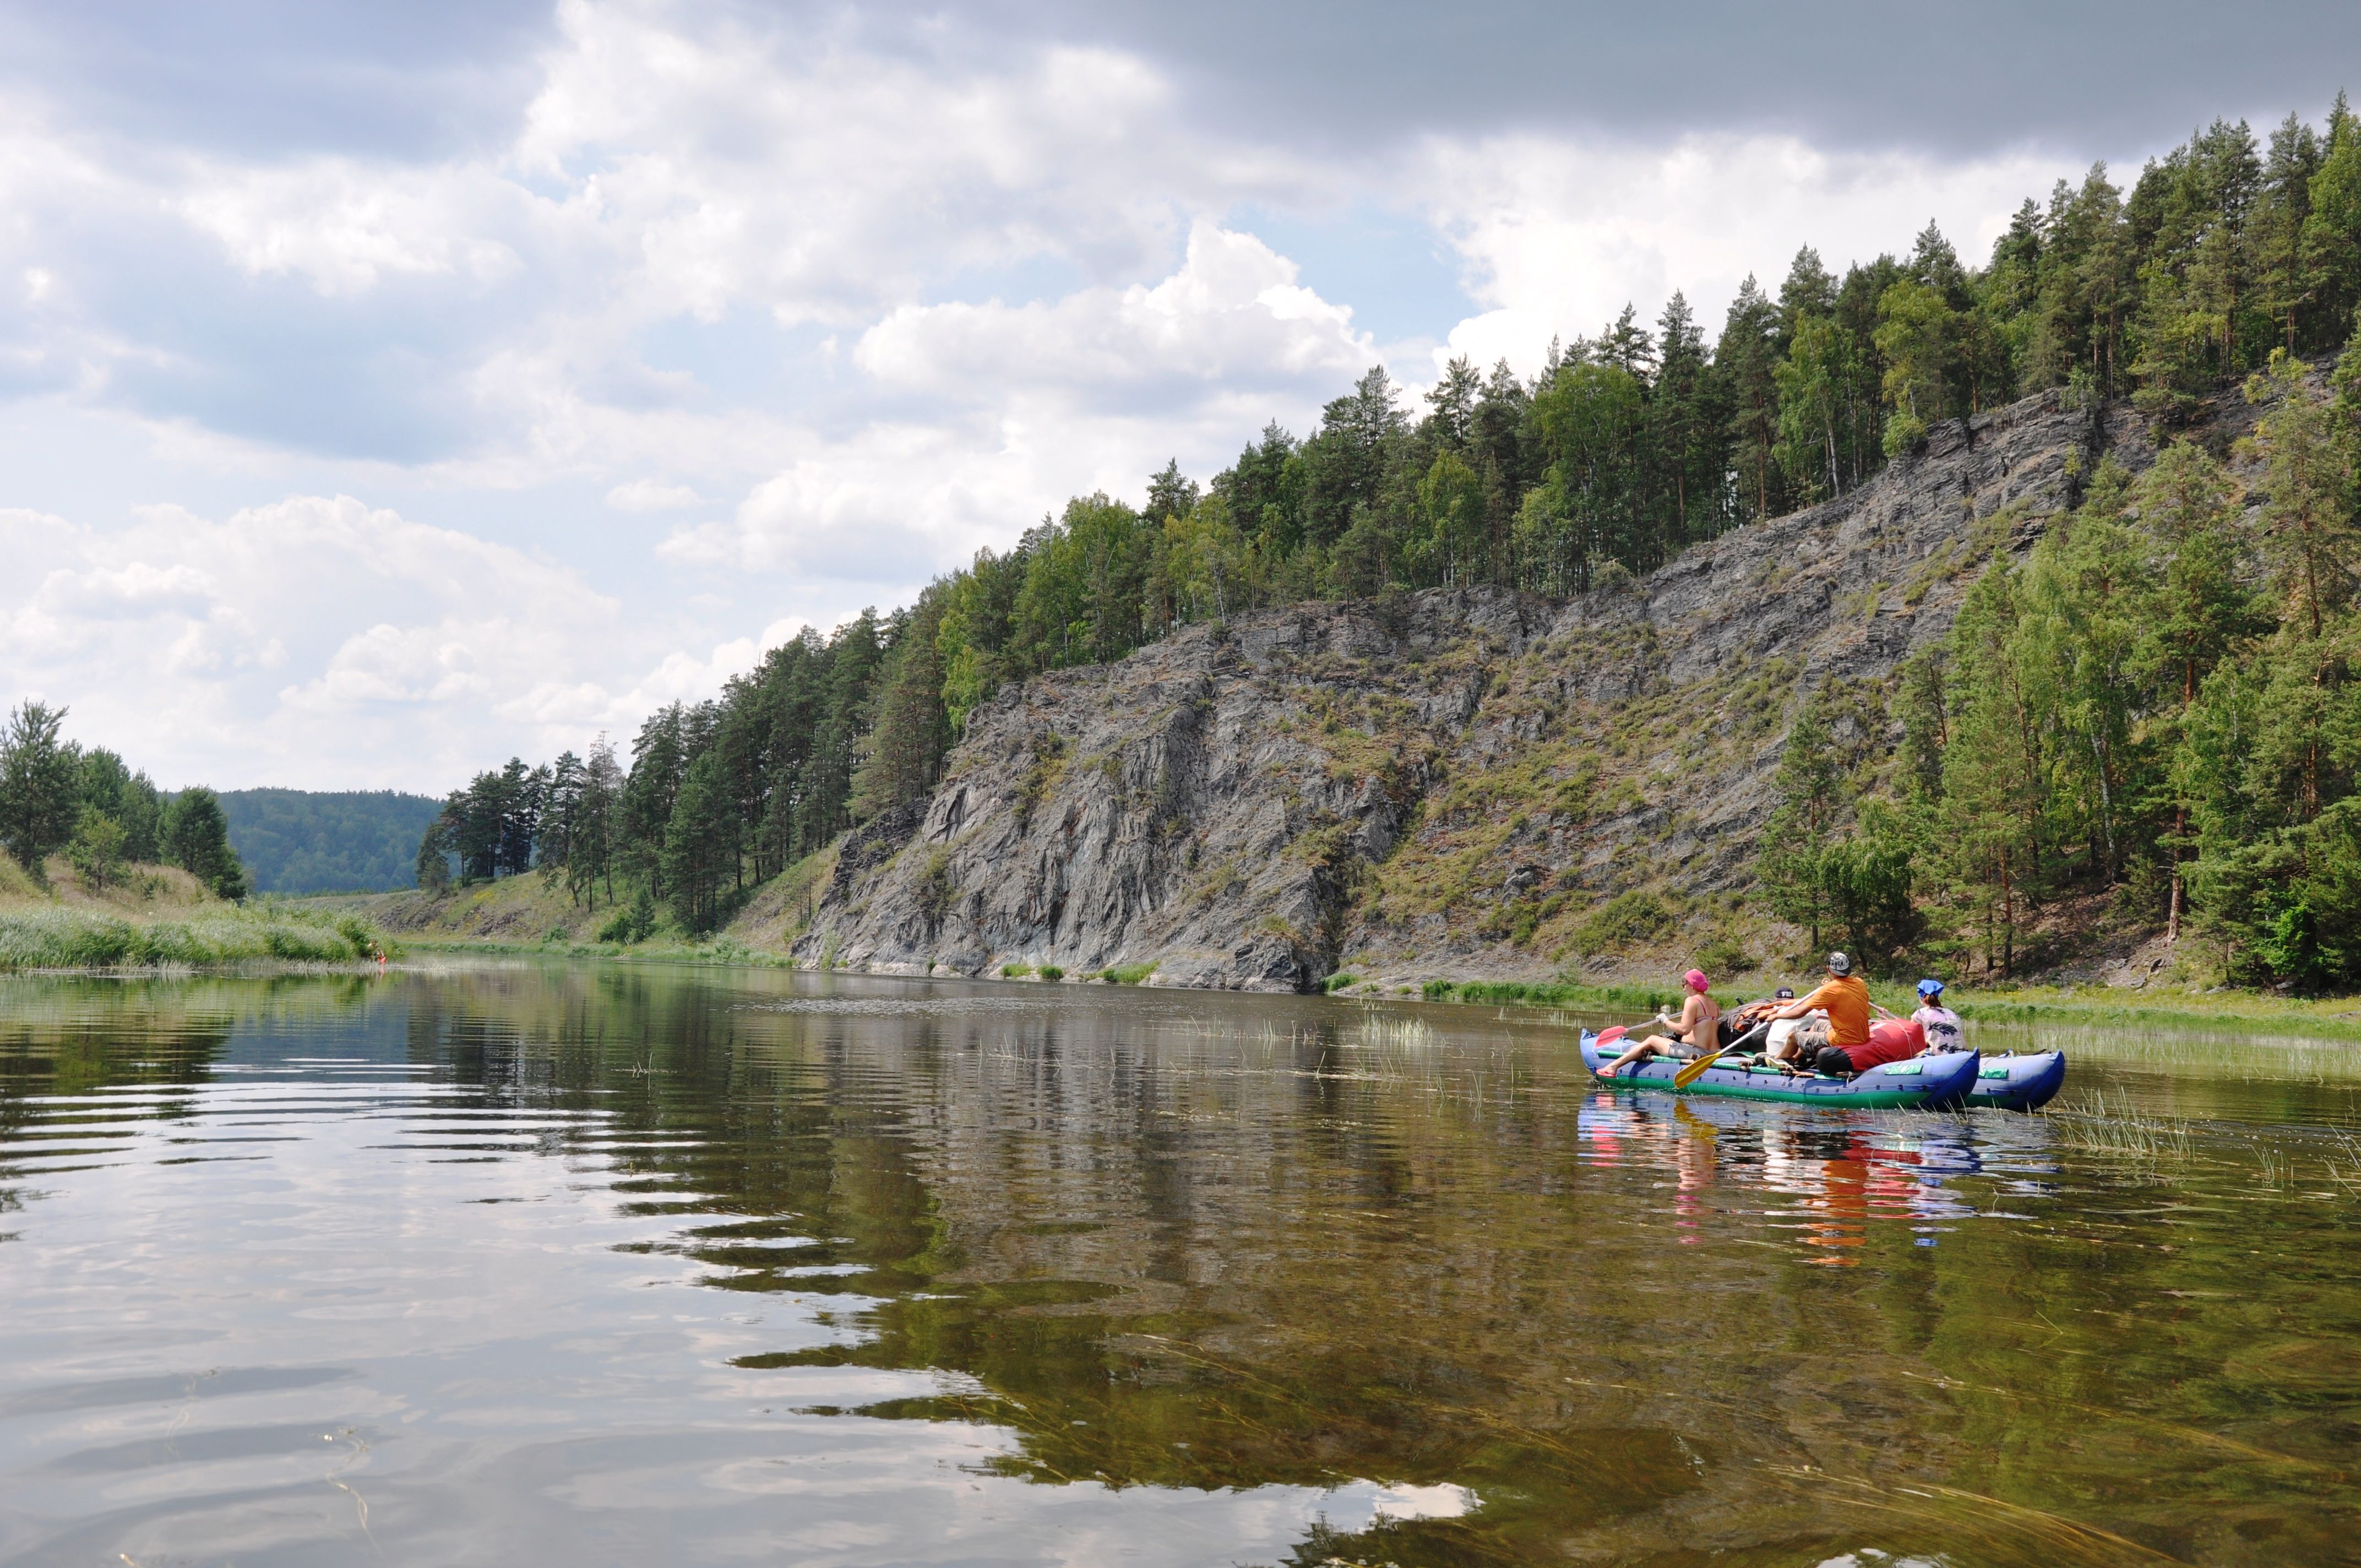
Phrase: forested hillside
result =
(57, 797)
(295, 841)
(2154, 700)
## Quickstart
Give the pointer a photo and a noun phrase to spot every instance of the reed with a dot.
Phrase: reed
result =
(59, 939)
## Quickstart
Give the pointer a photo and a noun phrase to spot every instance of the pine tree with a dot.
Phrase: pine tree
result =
(1747, 359)
(1792, 856)
(196, 838)
(38, 800)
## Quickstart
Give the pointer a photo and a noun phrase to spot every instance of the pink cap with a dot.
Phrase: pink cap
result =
(1693, 980)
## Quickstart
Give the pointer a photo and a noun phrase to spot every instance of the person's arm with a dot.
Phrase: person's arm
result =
(1800, 1007)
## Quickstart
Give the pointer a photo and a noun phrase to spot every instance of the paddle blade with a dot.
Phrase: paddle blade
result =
(1612, 1034)
(1695, 1069)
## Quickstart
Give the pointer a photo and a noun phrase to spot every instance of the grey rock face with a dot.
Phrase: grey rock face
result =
(1214, 804)
(1196, 805)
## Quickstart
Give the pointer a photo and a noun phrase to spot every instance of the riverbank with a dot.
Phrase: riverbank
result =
(532, 917)
(2220, 1008)
(147, 917)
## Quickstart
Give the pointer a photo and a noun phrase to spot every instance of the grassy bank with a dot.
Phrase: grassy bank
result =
(2237, 1011)
(161, 917)
(60, 938)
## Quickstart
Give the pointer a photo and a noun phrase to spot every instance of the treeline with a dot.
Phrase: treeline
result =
(56, 797)
(2159, 700)
(1625, 449)
(296, 840)
(720, 795)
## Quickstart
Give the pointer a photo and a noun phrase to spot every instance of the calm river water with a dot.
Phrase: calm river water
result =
(590, 1265)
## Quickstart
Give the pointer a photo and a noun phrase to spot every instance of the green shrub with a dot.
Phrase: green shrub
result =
(635, 924)
(1624, 920)
(66, 939)
(1051, 972)
(1724, 954)
(1339, 981)
(1126, 974)
(1015, 971)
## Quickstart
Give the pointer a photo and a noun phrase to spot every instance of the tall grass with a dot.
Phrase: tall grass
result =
(1549, 994)
(78, 939)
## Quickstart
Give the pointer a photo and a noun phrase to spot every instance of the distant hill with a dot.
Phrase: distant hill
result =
(295, 841)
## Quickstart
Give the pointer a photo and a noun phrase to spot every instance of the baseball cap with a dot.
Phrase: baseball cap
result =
(1839, 964)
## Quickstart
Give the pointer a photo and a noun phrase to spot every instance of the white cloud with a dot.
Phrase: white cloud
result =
(1232, 314)
(838, 304)
(646, 495)
(1036, 402)
(313, 641)
(345, 226)
(1557, 236)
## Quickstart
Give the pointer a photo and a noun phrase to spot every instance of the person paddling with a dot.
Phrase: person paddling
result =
(1843, 998)
(1697, 1029)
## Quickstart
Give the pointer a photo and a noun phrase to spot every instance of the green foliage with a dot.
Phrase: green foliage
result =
(66, 939)
(937, 892)
(633, 924)
(1340, 982)
(1724, 955)
(97, 847)
(38, 800)
(1625, 920)
(1545, 993)
(2119, 711)
(1126, 974)
(1015, 971)
(195, 837)
(2156, 701)
(1050, 972)
(293, 841)
(700, 849)
(109, 786)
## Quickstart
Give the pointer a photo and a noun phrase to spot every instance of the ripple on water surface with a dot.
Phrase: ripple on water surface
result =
(585, 1265)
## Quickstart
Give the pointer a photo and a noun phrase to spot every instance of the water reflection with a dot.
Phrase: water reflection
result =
(1821, 1175)
(608, 1264)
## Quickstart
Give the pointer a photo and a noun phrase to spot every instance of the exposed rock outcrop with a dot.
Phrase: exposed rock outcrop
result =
(1449, 782)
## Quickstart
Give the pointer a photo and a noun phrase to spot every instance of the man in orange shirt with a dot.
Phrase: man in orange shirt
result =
(1844, 997)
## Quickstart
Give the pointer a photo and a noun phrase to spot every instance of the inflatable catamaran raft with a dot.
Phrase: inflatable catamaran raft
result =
(1951, 1081)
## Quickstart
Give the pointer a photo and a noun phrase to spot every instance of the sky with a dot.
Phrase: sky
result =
(388, 389)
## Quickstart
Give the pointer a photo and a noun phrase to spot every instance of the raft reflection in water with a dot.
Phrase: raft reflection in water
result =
(1824, 1175)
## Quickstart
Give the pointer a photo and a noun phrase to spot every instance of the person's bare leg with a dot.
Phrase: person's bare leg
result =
(1638, 1053)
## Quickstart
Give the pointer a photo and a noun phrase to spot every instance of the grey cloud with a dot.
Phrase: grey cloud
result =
(264, 78)
(422, 78)
(1949, 79)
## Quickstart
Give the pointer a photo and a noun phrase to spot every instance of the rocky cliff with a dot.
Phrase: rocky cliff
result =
(1454, 783)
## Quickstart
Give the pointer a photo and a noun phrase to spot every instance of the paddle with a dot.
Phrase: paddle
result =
(1694, 1070)
(1614, 1032)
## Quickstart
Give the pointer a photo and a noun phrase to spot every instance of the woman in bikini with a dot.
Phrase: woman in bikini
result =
(1697, 1029)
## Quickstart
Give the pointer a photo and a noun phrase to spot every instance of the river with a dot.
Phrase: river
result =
(520, 1263)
